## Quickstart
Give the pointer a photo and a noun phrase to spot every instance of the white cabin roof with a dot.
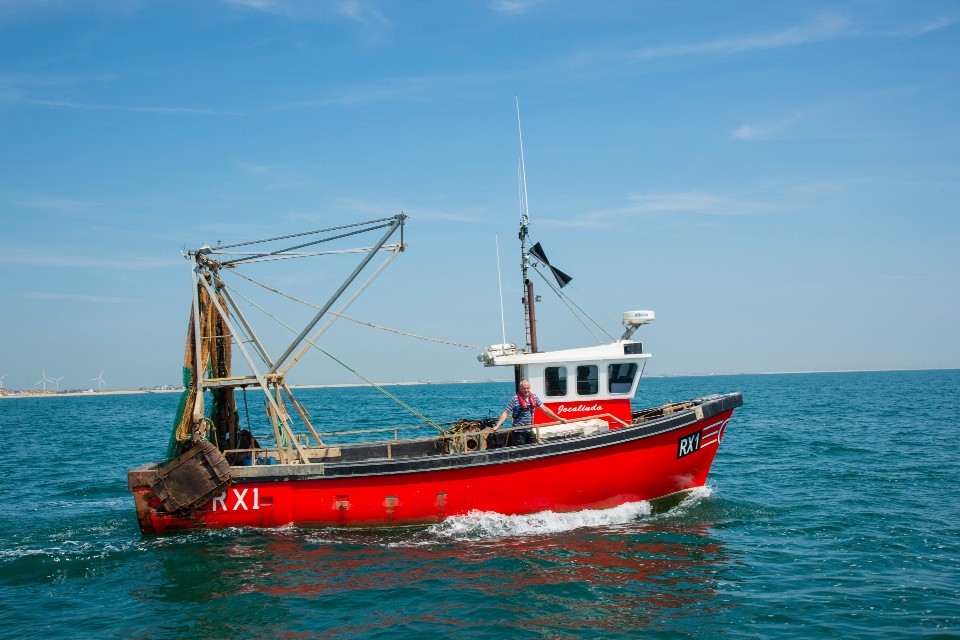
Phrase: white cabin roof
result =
(613, 351)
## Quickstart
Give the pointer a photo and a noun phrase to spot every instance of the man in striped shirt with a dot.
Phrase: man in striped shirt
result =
(521, 408)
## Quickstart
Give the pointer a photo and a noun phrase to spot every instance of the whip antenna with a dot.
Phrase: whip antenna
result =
(529, 317)
(524, 205)
(503, 325)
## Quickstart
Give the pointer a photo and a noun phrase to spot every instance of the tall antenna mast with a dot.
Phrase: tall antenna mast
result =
(529, 316)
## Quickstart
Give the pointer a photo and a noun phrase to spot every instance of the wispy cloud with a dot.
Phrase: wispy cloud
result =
(411, 89)
(78, 297)
(514, 7)
(607, 61)
(764, 130)
(52, 203)
(30, 89)
(383, 208)
(816, 189)
(272, 176)
(366, 208)
(267, 6)
(376, 208)
(407, 89)
(364, 12)
(923, 28)
(46, 257)
(444, 215)
(821, 28)
(60, 104)
(20, 87)
(774, 198)
(824, 27)
(11, 9)
(693, 203)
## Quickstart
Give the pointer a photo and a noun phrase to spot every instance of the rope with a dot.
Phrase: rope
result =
(345, 317)
(210, 429)
(246, 409)
(346, 366)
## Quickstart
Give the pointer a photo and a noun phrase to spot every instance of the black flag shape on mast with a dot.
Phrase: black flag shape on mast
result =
(537, 252)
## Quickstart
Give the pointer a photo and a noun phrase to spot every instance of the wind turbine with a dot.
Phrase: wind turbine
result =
(44, 379)
(1, 379)
(57, 380)
(99, 380)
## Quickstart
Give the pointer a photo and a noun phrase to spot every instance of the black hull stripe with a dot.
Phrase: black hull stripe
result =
(711, 406)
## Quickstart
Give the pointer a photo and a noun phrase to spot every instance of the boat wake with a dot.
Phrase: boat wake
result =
(481, 525)
(485, 525)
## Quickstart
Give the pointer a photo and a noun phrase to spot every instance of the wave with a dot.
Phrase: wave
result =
(70, 550)
(482, 525)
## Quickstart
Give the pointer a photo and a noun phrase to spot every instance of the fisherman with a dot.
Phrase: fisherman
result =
(521, 407)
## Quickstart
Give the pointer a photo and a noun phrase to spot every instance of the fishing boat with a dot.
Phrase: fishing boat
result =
(602, 454)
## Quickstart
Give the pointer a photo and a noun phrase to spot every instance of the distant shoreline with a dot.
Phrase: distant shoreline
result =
(7, 393)
(78, 394)
(127, 392)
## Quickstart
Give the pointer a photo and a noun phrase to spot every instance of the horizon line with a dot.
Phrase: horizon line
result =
(334, 385)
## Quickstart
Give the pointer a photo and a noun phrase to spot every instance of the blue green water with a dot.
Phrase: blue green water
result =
(831, 511)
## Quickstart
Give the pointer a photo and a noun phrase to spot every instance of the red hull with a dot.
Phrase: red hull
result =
(651, 467)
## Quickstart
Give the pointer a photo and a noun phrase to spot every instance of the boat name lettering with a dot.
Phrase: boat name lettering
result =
(688, 444)
(579, 408)
(240, 497)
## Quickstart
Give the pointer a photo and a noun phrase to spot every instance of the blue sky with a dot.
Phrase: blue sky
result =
(779, 181)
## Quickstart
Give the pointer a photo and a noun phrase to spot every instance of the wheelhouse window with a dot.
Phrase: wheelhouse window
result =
(555, 381)
(587, 380)
(620, 376)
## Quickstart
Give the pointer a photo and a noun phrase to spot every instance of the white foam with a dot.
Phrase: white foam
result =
(70, 550)
(692, 499)
(480, 525)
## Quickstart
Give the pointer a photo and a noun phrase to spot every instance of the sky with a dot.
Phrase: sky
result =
(778, 181)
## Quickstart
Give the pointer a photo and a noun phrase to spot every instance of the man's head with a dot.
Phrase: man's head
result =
(524, 387)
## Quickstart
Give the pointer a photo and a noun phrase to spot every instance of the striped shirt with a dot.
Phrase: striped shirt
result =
(523, 416)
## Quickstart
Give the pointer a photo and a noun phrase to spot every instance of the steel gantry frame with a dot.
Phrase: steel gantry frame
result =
(207, 263)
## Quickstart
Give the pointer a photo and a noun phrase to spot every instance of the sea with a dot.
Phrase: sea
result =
(831, 512)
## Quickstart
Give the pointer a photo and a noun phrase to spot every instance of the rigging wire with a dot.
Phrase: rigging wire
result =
(305, 233)
(568, 302)
(261, 257)
(345, 317)
(612, 316)
(345, 365)
(346, 305)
